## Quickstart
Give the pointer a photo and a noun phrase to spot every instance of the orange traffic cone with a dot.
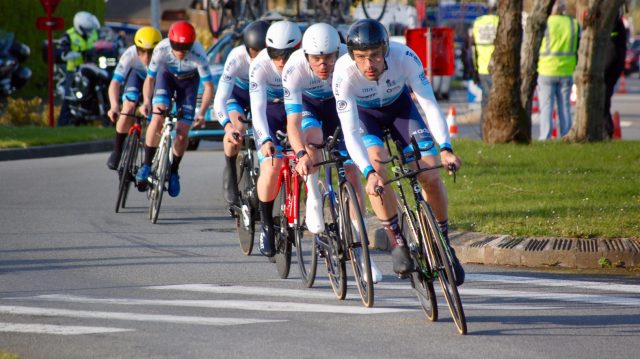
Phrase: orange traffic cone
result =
(573, 97)
(617, 130)
(554, 130)
(622, 89)
(451, 122)
(535, 105)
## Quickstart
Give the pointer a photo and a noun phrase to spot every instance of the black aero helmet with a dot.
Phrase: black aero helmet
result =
(367, 34)
(254, 35)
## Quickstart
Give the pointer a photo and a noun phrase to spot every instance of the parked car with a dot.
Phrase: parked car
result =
(632, 60)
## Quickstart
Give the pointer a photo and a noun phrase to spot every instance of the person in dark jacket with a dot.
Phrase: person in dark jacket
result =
(614, 65)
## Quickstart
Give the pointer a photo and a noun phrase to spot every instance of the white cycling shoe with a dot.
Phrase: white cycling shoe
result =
(315, 218)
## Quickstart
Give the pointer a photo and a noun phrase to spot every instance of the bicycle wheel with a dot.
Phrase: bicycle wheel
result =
(355, 236)
(332, 251)
(341, 9)
(422, 278)
(256, 8)
(215, 15)
(306, 251)
(245, 220)
(443, 266)
(159, 179)
(124, 168)
(365, 5)
(284, 234)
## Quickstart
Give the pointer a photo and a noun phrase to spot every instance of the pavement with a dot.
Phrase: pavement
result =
(472, 247)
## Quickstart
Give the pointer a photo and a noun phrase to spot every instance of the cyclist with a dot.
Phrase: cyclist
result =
(371, 90)
(311, 112)
(177, 66)
(131, 71)
(268, 116)
(232, 98)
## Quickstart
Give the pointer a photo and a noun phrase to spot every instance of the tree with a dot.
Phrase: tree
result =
(597, 18)
(505, 119)
(533, 34)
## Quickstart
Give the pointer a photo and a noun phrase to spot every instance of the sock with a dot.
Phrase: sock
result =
(313, 190)
(266, 213)
(149, 152)
(176, 163)
(444, 228)
(231, 165)
(117, 145)
(393, 232)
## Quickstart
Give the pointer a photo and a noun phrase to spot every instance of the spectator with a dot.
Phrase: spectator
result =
(555, 70)
(484, 33)
(614, 65)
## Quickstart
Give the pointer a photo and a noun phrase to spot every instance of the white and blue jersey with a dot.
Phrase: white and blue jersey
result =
(195, 60)
(235, 74)
(373, 105)
(131, 70)
(265, 92)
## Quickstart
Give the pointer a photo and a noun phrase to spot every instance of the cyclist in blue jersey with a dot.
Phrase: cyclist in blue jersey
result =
(178, 65)
(371, 86)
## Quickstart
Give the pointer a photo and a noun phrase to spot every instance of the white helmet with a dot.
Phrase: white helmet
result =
(283, 35)
(320, 39)
(84, 22)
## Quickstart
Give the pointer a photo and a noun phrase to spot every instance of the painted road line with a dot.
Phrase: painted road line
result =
(265, 306)
(243, 290)
(544, 282)
(20, 310)
(57, 329)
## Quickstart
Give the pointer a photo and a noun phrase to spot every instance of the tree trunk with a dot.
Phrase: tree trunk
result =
(505, 119)
(597, 18)
(533, 34)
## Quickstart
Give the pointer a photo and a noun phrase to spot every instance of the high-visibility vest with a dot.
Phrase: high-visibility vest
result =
(559, 47)
(484, 33)
(79, 44)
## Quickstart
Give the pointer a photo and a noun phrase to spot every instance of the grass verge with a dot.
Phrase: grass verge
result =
(21, 137)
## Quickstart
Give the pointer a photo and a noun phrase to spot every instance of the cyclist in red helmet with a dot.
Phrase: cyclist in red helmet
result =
(179, 63)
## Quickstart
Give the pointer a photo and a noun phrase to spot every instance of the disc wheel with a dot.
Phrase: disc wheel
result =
(245, 220)
(124, 171)
(157, 189)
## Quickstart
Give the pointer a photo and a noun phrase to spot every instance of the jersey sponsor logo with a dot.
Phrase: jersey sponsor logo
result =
(423, 79)
(253, 86)
(220, 115)
(286, 92)
(393, 89)
(226, 78)
(341, 105)
(412, 55)
(368, 89)
(367, 96)
(390, 82)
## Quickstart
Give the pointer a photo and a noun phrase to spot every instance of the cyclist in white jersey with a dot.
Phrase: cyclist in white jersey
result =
(178, 65)
(311, 114)
(268, 116)
(131, 71)
(371, 89)
(232, 100)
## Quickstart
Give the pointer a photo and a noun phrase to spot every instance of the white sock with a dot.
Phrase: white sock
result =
(315, 219)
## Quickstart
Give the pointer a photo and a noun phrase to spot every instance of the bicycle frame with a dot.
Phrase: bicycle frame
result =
(288, 177)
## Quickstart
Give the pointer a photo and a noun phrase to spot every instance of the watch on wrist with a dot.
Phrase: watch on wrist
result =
(448, 149)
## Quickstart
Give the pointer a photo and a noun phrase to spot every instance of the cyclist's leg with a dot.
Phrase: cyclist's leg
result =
(235, 108)
(312, 132)
(132, 90)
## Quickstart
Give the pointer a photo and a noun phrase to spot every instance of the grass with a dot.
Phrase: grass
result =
(547, 189)
(20, 137)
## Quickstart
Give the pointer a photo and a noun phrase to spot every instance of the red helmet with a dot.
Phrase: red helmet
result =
(182, 35)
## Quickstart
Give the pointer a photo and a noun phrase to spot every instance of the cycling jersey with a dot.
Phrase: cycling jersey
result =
(235, 74)
(298, 79)
(265, 87)
(195, 60)
(352, 90)
(129, 62)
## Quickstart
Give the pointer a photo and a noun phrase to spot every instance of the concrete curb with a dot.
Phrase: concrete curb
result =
(10, 154)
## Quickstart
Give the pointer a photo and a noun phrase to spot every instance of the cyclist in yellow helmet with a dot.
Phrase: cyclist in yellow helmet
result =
(131, 71)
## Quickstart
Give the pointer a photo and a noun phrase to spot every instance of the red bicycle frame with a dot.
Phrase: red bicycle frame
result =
(290, 179)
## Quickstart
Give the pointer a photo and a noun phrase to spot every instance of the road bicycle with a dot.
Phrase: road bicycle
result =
(345, 236)
(246, 211)
(161, 163)
(130, 161)
(427, 245)
(227, 14)
(338, 11)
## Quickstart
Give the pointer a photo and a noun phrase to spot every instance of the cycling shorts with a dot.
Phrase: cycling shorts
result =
(276, 119)
(185, 89)
(322, 114)
(133, 86)
(239, 101)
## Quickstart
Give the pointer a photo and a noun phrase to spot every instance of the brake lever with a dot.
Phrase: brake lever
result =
(452, 167)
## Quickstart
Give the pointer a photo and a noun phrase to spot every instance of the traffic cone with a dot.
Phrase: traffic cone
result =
(554, 130)
(617, 131)
(622, 89)
(451, 122)
(535, 104)
(573, 97)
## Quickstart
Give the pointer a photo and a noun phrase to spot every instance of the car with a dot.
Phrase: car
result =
(632, 59)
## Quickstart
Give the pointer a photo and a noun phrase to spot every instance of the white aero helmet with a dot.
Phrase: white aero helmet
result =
(283, 35)
(320, 39)
(84, 22)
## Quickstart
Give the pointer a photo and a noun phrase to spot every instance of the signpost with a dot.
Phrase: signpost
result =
(49, 24)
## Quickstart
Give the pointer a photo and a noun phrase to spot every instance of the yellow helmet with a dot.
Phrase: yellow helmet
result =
(147, 38)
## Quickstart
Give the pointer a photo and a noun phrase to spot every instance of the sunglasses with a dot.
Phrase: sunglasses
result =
(278, 54)
(181, 47)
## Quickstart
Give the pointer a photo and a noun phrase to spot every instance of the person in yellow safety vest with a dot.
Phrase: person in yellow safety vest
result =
(77, 43)
(558, 59)
(484, 33)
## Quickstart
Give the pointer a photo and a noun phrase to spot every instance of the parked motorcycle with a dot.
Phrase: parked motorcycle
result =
(13, 54)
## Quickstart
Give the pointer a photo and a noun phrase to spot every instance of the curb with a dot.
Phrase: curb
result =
(11, 154)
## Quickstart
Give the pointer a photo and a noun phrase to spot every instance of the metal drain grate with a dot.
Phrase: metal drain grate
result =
(536, 245)
(613, 245)
(587, 245)
(562, 244)
(634, 246)
(484, 242)
(510, 243)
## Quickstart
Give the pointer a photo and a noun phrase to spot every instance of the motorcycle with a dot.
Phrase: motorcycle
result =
(13, 74)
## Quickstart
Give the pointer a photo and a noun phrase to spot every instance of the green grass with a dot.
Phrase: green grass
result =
(547, 189)
(12, 137)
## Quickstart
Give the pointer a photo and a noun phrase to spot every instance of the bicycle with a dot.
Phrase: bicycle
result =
(130, 161)
(427, 245)
(161, 163)
(236, 10)
(246, 212)
(332, 11)
(345, 237)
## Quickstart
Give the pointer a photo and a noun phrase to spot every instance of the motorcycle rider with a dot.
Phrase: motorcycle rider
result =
(77, 43)
(131, 68)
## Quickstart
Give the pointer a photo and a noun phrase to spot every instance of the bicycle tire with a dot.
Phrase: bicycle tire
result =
(256, 8)
(342, 9)
(305, 244)
(215, 24)
(161, 178)
(443, 266)
(366, 13)
(123, 171)
(333, 258)
(420, 282)
(358, 245)
(283, 235)
(245, 222)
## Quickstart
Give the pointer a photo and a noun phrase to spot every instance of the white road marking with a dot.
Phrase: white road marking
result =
(20, 310)
(243, 290)
(57, 329)
(601, 286)
(265, 306)
(565, 297)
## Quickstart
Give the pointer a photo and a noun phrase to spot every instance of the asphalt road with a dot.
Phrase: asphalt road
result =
(78, 280)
